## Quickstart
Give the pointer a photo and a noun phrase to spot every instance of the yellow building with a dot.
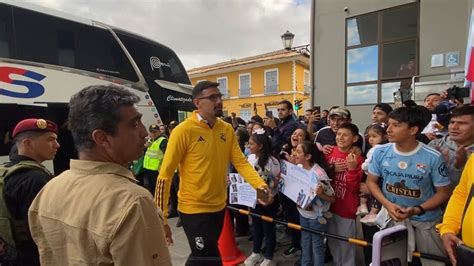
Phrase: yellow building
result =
(254, 85)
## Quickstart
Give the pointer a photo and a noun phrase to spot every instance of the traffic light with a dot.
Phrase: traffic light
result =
(298, 105)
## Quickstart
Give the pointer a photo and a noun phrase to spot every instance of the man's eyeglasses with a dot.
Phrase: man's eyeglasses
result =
(281, 109)
(213, 97)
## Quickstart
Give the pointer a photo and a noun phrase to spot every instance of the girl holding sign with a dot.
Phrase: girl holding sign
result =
(268, 167)
(314, 216)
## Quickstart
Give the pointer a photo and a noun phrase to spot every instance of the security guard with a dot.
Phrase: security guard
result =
(20, 181)
(153, 157)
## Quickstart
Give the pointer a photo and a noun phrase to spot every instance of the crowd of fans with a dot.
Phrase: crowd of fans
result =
(404, 165)
(410, 166)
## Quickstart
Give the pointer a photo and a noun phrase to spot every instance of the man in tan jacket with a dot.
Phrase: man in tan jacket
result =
(95, 213)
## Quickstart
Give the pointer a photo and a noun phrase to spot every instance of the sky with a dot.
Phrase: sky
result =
(201, 32)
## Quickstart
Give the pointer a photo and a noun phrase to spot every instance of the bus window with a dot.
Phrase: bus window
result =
(182, 115)
(66, 48)
(154, 60)
(5, 31)
(52, 40)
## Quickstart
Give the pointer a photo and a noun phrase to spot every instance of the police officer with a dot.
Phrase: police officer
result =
(153, 157)
(22, 178)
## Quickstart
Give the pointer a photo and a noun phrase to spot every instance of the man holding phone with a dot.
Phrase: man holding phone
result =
(286, 126)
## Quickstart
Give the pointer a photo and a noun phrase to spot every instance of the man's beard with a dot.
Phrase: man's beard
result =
(219, 113)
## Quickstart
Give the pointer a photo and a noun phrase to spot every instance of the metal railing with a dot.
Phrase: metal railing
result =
(434, 85)
(355, 241)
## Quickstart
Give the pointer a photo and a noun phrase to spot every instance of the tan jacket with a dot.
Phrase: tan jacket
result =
(95, 214)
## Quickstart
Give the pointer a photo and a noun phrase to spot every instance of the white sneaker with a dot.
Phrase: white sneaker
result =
(267, 262)
(362, 210)
(253, 259)
(369, 219)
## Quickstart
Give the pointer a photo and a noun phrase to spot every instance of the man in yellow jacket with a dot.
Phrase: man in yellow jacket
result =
(203, 146)
(459, 215)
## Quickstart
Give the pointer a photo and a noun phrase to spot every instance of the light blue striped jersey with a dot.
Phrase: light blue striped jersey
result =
(409, 179)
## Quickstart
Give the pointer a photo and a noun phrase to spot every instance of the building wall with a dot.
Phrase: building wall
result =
(289, 78)
(256, 77)
(443, 28)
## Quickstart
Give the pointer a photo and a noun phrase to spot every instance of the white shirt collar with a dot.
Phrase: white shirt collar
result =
(200, 118)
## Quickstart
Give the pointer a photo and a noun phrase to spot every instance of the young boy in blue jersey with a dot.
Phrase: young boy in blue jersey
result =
(415, 181)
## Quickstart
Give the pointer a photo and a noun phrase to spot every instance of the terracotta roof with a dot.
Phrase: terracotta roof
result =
(246, 60)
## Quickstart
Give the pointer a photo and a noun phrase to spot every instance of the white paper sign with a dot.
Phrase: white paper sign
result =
(298, 184)
(241, 192)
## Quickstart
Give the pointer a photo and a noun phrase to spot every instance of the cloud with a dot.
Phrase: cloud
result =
(364, 94)
(201, 32)
(353, 37)
(362, 64)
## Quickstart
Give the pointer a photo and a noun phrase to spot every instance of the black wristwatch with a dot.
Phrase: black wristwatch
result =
(421, 209)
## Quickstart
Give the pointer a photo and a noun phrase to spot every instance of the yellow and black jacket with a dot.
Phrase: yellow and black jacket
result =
(203, 155)
(460, 210)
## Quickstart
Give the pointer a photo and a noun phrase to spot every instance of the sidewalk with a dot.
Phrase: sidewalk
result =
(180, 250)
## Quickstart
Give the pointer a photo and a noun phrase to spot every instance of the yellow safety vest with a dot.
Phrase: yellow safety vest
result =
(154, 156)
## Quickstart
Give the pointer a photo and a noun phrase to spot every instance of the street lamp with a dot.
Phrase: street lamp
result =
(287, 39)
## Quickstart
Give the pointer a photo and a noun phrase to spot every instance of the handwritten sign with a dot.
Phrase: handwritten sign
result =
(298, 184)
(241, 192)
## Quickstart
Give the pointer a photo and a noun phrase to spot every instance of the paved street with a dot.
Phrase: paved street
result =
(180, 250)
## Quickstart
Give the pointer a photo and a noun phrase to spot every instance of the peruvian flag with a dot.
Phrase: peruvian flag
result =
(469, 65)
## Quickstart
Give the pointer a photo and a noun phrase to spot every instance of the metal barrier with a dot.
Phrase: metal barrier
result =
(355, 241)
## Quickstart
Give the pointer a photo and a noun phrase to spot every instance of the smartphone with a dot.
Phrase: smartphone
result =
(389, 247)
(317, 109)
(269, 113)
(465, 255)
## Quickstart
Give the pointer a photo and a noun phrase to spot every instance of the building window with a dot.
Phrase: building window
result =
(244, 85)
(381, 54)
(307, 82)
(246, 114)
(271, 81)
(223, 86)
(52, 40)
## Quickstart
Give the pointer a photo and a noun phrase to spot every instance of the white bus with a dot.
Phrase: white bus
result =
(46, 56)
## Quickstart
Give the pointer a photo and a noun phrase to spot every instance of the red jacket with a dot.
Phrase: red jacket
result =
(346, 185)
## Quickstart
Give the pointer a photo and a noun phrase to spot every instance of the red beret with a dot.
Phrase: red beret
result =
(34, 124)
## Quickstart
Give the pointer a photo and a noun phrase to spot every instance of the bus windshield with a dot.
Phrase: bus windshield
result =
(156, 62)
